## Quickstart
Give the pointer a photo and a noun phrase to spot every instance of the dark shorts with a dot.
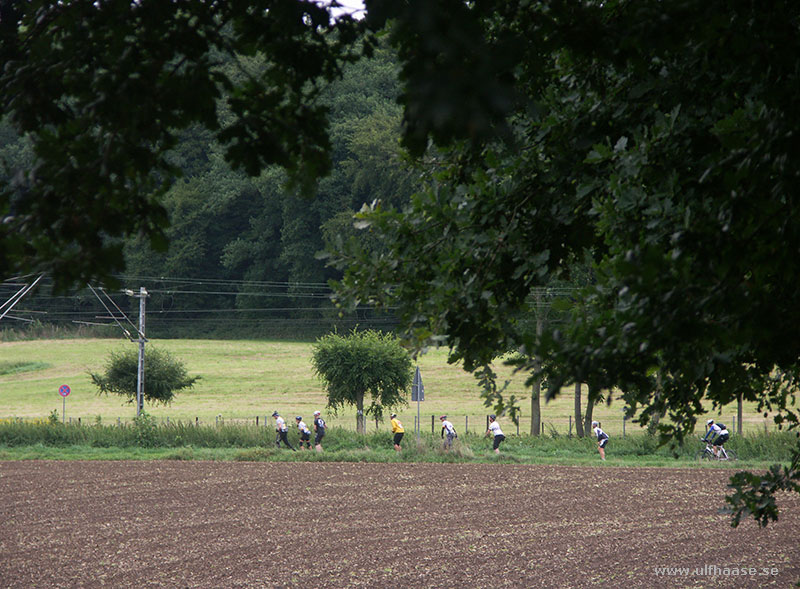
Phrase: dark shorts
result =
(305, 437)
(603, 443)
(721, 440)
(497, 440)
(319, 436)
(397, 437)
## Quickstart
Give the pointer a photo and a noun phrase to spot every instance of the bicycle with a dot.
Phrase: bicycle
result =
(708, 453)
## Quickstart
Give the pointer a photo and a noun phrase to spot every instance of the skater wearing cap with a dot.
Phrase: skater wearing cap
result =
(494, 429)
(602, 439)
(449, 430)
(282, 430)
(398, 431)
(305, 433)
(319, 428)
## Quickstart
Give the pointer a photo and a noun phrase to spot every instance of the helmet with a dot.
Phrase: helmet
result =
(709, 422)
(595, 423)
(443, 417)
(298, 418)
(393, 415)
(316, 413)
(493, 417)
(274, 414)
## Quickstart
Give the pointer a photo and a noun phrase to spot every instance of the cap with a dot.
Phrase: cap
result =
(274, 414)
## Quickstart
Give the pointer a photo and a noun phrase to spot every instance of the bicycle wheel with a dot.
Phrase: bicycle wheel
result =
(703, 455)
(731, 455)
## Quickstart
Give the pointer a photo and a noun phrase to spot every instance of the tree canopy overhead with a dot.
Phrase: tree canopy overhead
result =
(102, 89)
(659, 136)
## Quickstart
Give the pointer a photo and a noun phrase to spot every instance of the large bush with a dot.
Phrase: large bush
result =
(164, 375)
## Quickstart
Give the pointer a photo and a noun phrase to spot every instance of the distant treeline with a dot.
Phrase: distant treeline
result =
(243, 255)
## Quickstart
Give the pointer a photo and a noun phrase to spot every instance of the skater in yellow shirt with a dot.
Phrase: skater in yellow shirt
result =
(398, 431)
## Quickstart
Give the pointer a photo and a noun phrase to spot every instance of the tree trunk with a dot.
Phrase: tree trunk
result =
(655, 418)
(592, 395)
(578, 419)
(536, 408)
(739, 414)
(361, 421)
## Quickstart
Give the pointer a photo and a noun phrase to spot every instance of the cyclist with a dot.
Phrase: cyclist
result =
(716, 435)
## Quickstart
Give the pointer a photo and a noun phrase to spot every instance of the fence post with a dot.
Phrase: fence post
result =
(432, 424)
(487, 422)
(118, 422)
(570, 427)
(196, 421)
(623, 425)
(416, 425)
(376, 423)
(466, 424)
(256, 420)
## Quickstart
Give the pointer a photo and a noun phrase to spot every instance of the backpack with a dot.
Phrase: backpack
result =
(721, 426)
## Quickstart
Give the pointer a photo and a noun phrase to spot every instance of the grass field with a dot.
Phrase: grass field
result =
(244, 379)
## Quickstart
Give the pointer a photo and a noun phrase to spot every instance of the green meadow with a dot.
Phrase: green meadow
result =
(242, 380)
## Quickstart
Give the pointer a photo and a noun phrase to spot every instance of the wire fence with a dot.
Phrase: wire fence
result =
(467, 424)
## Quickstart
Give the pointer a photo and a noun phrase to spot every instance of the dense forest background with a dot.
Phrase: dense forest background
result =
(243, 258)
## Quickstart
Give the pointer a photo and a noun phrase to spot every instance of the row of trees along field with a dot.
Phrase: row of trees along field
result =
(653, 140)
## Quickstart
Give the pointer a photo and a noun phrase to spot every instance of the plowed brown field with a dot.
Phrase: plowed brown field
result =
(216, 524)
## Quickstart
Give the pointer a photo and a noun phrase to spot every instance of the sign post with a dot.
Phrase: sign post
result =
(417, 394)
(64, 391)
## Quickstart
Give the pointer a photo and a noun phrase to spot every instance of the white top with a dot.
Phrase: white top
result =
(280, 424)
(599, 433)
(448, 427)
(494, 427)
(301, 425)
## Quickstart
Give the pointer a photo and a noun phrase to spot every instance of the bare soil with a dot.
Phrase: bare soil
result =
(224, 524)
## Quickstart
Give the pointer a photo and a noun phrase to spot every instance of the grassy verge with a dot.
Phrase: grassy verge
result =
(244, 380)
(146, 439)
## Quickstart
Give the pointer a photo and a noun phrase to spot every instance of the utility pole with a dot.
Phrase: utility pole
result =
(142, 296)
(140, 331)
